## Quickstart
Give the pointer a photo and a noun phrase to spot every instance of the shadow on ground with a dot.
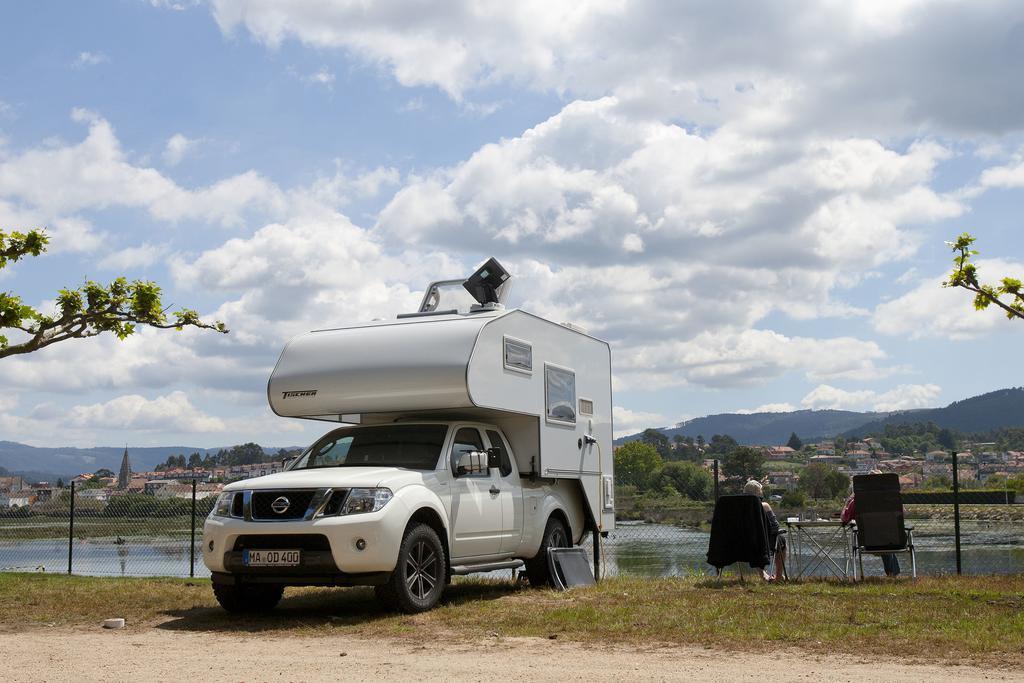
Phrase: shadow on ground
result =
(313, 607)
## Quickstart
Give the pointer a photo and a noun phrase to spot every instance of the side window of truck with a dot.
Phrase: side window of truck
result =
(466, 440)
(497, 442)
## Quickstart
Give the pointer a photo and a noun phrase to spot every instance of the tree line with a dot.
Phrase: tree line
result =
(652, 465)
(242, 454)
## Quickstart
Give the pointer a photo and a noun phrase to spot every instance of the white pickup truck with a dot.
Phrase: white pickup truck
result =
(478, 437)
(401, 506)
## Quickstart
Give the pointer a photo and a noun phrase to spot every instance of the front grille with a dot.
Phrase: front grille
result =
(298, 503)
(282, 542)
(236, 505)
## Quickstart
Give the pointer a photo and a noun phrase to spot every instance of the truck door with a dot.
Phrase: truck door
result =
(475, 510)
(510, 495)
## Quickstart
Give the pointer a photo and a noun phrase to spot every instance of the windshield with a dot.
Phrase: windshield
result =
(415, 447)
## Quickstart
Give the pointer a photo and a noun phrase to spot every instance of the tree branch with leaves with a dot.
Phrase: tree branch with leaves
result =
(965, 275)
(119, 307)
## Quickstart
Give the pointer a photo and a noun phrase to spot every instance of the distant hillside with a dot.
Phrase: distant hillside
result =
(1003, 408)
(984, 413)
(770, 428)
(68, 461)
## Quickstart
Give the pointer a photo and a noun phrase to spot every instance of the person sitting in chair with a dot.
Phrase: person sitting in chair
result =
(776, 541)
(890, 563)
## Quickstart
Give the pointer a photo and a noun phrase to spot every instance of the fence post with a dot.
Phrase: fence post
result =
(192, 546)
(716, 480)
(71, 525)
(956, 511)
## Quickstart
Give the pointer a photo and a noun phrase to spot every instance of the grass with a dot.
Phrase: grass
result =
(976, 619)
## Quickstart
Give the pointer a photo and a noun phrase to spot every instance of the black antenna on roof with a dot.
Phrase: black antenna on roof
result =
(483, 285)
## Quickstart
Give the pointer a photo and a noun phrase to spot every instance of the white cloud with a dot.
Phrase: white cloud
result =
(632, 242)
(903, 397)
(86, 59)
(67, 233)
(769, 408)
(830, 65)
(170, 413)
(674, 245)
(57, 181)
(322, 76)
(128, 258)
(730, 359)
(1008, 175)
(178, 146)
(931, 310)
(8, 402)
(628, 421)
(412, 104)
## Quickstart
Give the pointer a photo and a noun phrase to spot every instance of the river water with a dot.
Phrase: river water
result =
(634, 549)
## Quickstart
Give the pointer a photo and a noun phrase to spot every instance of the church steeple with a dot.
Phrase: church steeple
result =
(125, 475)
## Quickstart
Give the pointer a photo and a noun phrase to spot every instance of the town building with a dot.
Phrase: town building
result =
(778, 452)
(16, 499)
(12, 483)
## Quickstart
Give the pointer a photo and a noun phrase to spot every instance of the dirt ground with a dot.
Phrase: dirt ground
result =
(157, 654)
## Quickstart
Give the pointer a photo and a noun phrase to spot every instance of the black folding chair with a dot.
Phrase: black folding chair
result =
(739, 533)
(774, 552)
(879, 527)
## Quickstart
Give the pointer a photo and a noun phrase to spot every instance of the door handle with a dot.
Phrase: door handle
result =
(495, 490)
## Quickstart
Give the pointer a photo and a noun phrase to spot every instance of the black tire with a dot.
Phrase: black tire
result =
(555, 536)
(420, 576)
(248, 598)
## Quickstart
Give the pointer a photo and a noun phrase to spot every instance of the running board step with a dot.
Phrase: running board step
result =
(463, 569)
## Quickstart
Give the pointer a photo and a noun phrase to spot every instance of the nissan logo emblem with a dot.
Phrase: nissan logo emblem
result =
(280, 505)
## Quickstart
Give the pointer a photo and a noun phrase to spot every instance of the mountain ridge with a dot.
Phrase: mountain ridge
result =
(67, 461)
(981, 413)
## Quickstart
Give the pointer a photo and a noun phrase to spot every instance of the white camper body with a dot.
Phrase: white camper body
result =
(548, 386)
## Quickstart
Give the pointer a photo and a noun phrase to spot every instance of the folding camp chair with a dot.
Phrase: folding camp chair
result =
(774, 552)
(739, 533)
(879, 528)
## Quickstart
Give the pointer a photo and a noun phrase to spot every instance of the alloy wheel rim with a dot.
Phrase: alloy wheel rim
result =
(421, 570)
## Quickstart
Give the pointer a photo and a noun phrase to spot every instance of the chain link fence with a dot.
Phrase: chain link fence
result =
(150, 535)
(121, 535)
(991, 542)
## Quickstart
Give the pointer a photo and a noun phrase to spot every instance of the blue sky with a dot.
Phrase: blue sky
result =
(752, 209)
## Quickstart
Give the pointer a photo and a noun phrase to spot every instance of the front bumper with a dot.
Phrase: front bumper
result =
(381, 532)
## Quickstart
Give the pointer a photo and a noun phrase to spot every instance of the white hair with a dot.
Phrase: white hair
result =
(753, 488)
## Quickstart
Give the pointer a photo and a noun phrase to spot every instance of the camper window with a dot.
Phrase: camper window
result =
(467, 440)
(518, 355)
(560, 394)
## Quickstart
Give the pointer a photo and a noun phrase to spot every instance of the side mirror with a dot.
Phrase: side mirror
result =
(494, 458)
(471, 462)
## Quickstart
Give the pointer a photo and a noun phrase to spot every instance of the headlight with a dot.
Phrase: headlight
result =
(366, 500)
(223, 506)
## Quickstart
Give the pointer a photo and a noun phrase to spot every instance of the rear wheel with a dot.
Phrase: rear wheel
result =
(247, 598)
(538, 569)
(419, 577)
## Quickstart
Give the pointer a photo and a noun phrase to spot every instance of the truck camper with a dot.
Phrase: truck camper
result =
(470, 438)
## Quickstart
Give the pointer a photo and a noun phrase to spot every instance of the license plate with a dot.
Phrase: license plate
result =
(271, 558)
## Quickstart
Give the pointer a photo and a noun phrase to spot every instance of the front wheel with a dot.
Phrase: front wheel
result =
(538, 569)
(248, 598)
(419, 577)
